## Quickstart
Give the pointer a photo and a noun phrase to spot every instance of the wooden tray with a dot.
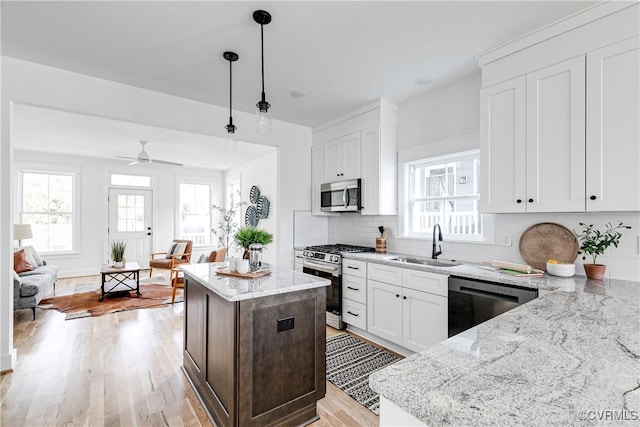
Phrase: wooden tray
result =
(542, 242)
(250, 275)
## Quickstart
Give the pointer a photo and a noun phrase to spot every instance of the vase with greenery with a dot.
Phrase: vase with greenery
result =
(594, 242)
(248, 235)
(227, 226)
(117, 252)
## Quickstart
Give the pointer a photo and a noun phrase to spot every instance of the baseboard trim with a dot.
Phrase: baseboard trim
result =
(8, 361)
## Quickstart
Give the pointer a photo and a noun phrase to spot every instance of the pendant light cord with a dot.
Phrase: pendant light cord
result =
(230, 91)
(262, 52)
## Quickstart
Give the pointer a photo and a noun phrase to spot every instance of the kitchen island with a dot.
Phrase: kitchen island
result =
(254, 349)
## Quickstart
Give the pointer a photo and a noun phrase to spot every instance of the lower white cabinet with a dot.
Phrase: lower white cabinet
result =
(412, 311)
(424, 319)
(354, 313)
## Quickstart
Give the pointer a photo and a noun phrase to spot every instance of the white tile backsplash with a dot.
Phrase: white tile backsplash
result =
(622, 262)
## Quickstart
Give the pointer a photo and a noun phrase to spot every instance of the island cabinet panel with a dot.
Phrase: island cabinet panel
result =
(194, 321)
(258, 361)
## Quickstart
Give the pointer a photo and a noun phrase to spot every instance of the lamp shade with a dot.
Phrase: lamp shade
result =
(22, 231)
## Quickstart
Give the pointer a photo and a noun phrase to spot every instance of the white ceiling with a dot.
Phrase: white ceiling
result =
(341, 54)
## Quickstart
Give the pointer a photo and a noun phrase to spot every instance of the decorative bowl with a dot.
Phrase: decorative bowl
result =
(561, 270)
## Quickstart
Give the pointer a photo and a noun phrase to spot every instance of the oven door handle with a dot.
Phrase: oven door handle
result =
(317, 266)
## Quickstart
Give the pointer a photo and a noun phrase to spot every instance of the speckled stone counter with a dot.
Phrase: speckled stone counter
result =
(576, 348)
(280, 281)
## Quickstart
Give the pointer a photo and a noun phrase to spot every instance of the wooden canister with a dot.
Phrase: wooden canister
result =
(381, 245)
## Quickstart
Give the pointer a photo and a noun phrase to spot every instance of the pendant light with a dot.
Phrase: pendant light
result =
(263, 17)
(232, 139)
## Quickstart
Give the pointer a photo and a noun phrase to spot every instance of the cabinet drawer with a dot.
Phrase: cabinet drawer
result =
(354, 313)
(354, 267)
(384, 273)
(354, 288)
(424, 281)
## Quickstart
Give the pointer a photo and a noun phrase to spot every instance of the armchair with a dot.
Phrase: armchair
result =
(179, 253)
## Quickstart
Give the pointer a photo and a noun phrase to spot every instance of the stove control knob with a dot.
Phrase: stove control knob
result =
(334, 258)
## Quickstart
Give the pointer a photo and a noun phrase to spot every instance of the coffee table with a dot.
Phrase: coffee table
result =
(120, 280)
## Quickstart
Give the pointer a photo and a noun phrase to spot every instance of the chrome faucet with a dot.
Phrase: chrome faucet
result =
(435, 252)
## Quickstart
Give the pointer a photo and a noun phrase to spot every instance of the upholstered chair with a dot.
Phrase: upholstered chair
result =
(178, 253)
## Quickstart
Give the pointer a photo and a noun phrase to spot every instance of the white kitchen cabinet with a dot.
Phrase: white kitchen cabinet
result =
(555, 138)
(613, 129)
(354, 293)
(317, 179)
(407, 307)
(354, 267)
(384, 310)
(354, 313)
(379, 171)
(354, 288)
(342, 158)
(424, 319)
(532, 146)
(502, 150)
(560, 117)
(362, 144)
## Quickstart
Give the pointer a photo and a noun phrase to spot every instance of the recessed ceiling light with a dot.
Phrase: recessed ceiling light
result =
(423, 81)
(295, 93)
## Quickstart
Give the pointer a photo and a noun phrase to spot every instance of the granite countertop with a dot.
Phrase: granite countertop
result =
(576, 348)
(280, 281)
(473, 271)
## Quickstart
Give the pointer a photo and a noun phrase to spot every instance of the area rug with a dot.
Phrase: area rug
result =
(86, 304)
(350, 361)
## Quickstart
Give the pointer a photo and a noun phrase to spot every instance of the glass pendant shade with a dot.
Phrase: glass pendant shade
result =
(264, 120)
(232, 138)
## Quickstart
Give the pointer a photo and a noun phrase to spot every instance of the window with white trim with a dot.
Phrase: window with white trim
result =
(48, 205)
(444, 190)
(194, 216)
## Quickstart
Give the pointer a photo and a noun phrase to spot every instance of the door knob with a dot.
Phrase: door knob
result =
(593, 197)
(530, 200)
(519, 201)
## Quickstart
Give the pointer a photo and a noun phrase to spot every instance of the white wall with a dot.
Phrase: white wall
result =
(263, 173)
(93, 176)
(34, 84)
(452, 113)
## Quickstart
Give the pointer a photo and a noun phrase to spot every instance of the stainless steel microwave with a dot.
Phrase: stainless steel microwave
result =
(341, 196)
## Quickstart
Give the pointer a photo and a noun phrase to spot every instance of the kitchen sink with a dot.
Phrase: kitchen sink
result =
(430, 262)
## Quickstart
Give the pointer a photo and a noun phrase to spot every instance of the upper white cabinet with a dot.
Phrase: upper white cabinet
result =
(362, 144)
(533, 141)
(342, 158)
(613, 133)
(538, 152)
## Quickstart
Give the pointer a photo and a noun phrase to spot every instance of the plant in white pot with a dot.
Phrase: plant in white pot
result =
(594, 242)
(117, 252)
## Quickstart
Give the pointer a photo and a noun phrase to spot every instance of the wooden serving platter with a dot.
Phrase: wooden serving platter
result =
(250, 275)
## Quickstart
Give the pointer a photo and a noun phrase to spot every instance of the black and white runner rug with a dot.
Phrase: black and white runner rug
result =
(349, 363)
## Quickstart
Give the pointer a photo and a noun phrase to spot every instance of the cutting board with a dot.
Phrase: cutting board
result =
(250, 275)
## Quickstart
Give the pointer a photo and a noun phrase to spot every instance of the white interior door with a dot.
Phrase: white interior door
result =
(130, 219)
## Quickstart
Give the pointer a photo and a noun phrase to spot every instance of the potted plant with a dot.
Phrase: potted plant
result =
(117, 252)
(245, 236)
(594, 242)
(227, 225)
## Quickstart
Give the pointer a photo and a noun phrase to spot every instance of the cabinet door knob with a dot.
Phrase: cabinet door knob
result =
(397, 296)
(530, 200)
(593, 197)
(519, 201)
(404, 297)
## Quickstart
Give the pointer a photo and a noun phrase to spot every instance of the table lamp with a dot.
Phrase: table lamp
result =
(21, 232)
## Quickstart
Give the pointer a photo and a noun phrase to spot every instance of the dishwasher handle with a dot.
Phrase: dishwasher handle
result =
(495, 291)
(487, 294)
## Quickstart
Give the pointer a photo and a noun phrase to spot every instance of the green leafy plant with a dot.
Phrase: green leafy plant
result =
(594, 242)
(227, 226)
(248, 235)
(117, 250)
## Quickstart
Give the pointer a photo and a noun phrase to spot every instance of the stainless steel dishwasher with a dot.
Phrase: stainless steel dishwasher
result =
(472, 301)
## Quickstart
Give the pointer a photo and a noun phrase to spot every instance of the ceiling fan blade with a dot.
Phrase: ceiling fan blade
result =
(126, 158)
(165, 162)
(134, 163)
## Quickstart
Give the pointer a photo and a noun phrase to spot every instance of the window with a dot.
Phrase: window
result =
(444, 190)
(130, 180)
(194, 218)
(130, 213)
(47, 204)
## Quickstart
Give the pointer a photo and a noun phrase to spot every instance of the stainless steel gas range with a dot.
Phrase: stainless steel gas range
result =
(326, 261)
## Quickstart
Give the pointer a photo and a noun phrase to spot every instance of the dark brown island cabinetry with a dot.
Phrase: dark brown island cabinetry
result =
(258, 361)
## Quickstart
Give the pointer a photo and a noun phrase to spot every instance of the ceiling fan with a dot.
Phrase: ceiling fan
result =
(143, 158)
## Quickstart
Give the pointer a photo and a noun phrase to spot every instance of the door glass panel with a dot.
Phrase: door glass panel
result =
(130, 213)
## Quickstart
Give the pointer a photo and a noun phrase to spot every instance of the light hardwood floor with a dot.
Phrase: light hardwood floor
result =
(121, 369)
